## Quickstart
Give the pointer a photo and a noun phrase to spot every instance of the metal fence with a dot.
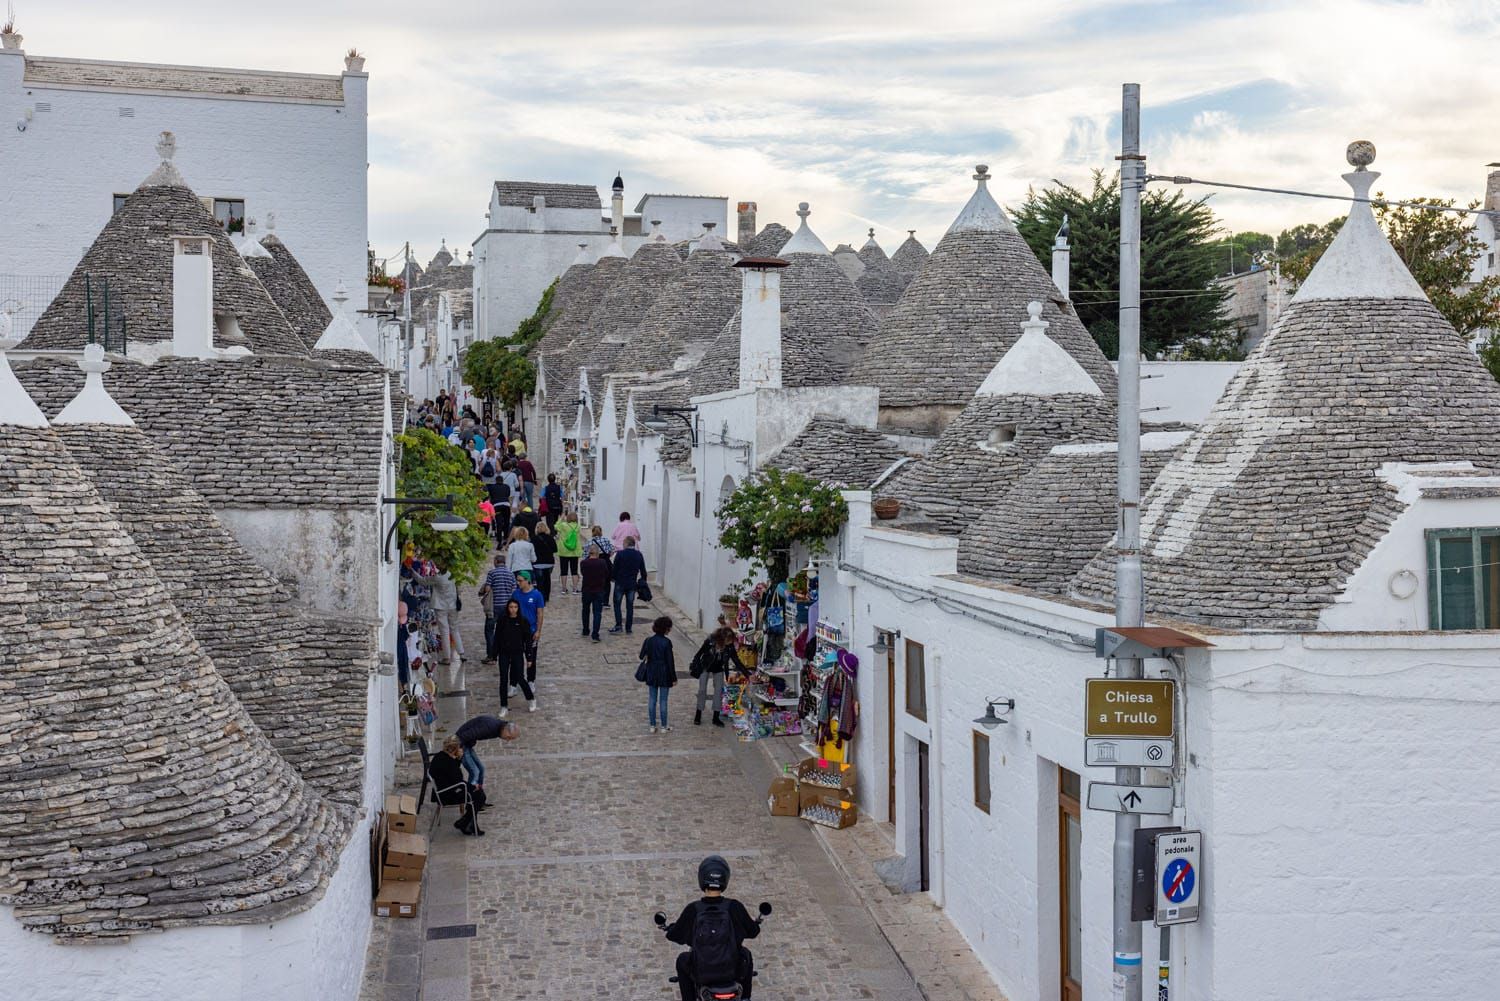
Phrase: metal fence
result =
(25, 297)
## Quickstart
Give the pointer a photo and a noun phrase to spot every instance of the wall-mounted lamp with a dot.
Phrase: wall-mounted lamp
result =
(884, 640)
(992, 719)
(445, 522)
(658, 421)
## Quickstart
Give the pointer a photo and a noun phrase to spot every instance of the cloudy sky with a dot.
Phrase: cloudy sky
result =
(874, 112)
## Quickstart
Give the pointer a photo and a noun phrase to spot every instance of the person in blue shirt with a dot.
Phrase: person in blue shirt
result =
(532, 603)
(629, 572)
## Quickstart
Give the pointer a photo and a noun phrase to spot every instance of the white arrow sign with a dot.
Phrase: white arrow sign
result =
(1155, 800)
(1127, 752)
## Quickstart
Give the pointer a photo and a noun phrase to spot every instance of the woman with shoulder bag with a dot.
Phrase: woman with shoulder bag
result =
(712, 661)
(658, 671)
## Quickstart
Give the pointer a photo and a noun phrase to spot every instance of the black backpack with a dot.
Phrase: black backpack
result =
(715, 952)
(488, 469)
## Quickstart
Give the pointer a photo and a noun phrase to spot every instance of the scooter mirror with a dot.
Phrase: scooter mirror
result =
(764, 908)
(660, 919)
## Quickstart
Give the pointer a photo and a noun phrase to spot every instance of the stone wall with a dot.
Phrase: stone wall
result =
(329, 558)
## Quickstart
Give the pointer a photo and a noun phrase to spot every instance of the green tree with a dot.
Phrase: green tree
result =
(773, 510)
(1180, 305)
(1439, 249)
(430, 467)
(501, 369)
(1238, 251)
(481, 370)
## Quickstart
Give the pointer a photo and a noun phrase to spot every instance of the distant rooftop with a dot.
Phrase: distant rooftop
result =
(559, 196)
(95, 74)
(641, 205)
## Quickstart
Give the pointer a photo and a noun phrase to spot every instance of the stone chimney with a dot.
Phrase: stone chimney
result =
(760, 322)
(1492, 190)
(1061, 258)
(193, 296)
(747, 222)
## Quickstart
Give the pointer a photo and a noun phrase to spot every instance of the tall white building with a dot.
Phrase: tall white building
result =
(533, 230)
(79, 135)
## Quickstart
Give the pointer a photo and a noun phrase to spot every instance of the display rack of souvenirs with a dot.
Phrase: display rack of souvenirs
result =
(762, 699)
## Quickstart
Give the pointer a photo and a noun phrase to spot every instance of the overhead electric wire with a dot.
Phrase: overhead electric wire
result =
(1180, 179)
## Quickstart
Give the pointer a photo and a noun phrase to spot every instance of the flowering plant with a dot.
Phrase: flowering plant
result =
(771, 511)
(395, 283)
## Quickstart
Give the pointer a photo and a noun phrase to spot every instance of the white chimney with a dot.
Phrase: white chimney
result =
(1061, 258)
(760, 322)
(617, 206)
(537, 222)
(193, 296)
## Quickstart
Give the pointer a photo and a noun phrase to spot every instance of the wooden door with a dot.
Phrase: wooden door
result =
(924, 800)
(1070, 916)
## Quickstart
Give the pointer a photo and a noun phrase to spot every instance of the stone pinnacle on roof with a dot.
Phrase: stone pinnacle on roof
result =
(982, 212)
(249, 244)
(93, 404)
(911, 255)
(341, 334)
(16, 405)
(871, 241)
(657, 236)
(709, 240)
(804, 241)
(584, 258)
(1360, 263)
(166, 172)
(614, 249)
(1036, 366)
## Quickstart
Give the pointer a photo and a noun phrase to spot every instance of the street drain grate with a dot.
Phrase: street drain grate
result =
(462, 693)
(450, 931)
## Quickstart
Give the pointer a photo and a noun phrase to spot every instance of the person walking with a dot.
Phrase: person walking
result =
(444, 603)
(629, 573)
(659, 672)
(498, 586)
(532, 604)
(552, 495)
(525, 518)
(594, 573)
(513, 634)
(711, 662)
(625, 529)
(598, 543)
(520, 555)
(545, 545)
(569, 548)
(528, 477)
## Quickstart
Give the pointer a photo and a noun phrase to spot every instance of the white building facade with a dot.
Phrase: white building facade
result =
(79, 136)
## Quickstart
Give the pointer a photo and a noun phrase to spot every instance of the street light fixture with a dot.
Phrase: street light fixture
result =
(992, 719)
(445, 522)
(884, 640)
(659, 423)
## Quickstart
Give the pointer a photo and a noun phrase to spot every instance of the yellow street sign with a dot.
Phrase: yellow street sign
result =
(1121, 707)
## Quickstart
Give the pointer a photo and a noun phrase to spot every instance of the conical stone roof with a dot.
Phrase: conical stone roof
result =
(134, 253)
(1034, 398)
(1276, 500)
(308, 692)
(320, 314)
(691, 309)
(911, 255)
(137, 791)
(578, 310)
(880, 282)
(565, 297)
(825, 325)
(965, 307)
(838, 453)
(287, 296)
(768, 242)
(624, 305)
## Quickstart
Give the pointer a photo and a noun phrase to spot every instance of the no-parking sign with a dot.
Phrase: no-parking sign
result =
(1179, 877)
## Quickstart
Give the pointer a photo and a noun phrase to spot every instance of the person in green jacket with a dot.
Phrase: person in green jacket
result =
(569, 538)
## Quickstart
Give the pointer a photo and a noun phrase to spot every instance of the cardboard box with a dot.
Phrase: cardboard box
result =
(406, 851)
(401, 813)
(826, 776)
(829, 809)
(782, 798)
(398, 900)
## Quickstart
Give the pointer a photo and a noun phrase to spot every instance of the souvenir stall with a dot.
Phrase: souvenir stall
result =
(761, 699)
(419, 687)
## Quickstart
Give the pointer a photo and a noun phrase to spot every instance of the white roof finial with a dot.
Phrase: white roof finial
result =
(341, 334)
(16, 405)
(340, 296)
(166, 146)
(1036, 365)
(93, 404)
(1360, 263)
(804, 241)
(270, 222)
(165, 174)
(614, 249)
(657, 236)
(709, 240)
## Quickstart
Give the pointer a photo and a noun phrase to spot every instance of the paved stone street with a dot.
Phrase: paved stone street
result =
(596, 824)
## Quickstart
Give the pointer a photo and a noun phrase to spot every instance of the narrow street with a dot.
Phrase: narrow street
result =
(595, 824)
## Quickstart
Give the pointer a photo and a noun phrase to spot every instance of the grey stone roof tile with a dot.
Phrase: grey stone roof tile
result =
(910, 256)
(692, 308)
(559, 196)
(838, 453)
(96, 74)
(769, 241)
(320, 315)
(134, 253)
(138, 793)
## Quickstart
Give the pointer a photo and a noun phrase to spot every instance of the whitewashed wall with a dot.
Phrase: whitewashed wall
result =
(304, 160)
(682, 217)
(513, 267)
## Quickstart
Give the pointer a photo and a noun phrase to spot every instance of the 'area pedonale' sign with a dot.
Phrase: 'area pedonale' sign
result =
(1122, 707)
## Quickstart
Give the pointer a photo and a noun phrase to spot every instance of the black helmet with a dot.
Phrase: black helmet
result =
(713, 874)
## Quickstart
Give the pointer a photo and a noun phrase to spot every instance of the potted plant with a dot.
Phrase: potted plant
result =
(886, 508)
(729, 603)
(772, 511)
(354, 61)
(8, 36)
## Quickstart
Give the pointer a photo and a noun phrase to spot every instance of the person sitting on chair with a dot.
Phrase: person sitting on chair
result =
(450, 788)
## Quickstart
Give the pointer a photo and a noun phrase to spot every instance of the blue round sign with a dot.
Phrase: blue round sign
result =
(1177, 881)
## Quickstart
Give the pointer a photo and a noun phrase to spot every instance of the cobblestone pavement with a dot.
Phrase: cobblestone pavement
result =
(596, 824)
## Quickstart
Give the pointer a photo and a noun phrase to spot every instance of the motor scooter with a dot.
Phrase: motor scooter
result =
(718, 992)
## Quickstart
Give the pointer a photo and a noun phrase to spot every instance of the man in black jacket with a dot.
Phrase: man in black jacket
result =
(477, 729)
(629, 572)
(448, 782)
(713, 880)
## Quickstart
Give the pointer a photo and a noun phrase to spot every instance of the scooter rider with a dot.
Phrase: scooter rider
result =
(714, 929)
